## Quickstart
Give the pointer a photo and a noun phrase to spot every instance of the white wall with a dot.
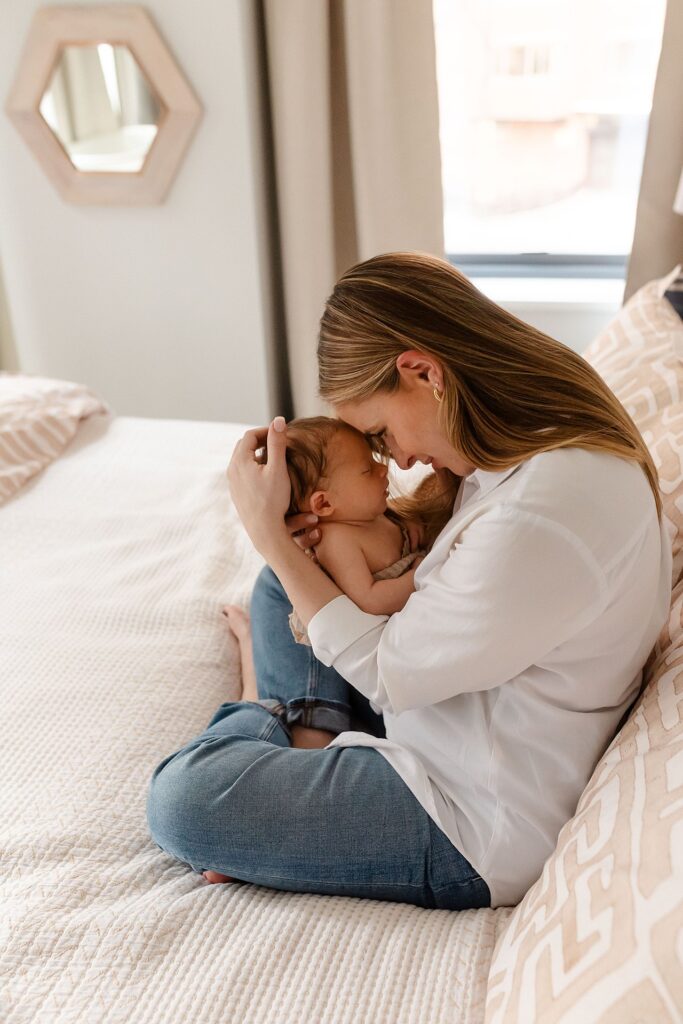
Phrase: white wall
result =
(163, 310)
(574, 324)
(8, 355)
(573, 310)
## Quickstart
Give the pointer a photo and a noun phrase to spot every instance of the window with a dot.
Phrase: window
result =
(544, 107)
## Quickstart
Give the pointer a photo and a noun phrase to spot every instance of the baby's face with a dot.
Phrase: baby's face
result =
(356, 486)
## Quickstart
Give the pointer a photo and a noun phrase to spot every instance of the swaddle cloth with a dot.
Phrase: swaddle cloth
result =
(391, 572)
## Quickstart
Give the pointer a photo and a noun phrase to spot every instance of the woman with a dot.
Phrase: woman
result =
(489, 698)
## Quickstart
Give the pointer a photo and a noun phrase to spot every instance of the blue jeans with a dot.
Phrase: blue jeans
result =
(240, 800)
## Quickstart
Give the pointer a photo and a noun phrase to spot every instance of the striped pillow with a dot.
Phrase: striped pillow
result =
(38, 418)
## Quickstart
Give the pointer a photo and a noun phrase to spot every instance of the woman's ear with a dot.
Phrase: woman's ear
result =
(416, 367)
(320, 504)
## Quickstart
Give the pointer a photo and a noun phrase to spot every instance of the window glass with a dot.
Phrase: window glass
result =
(544, 107)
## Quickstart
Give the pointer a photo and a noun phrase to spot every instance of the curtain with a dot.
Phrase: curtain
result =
(658, 237)
(355, 142)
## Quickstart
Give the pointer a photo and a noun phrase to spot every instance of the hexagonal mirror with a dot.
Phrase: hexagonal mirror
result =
(100, 100)
(102, 109)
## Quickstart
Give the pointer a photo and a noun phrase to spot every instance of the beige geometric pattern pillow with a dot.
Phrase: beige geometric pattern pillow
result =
(599, 936)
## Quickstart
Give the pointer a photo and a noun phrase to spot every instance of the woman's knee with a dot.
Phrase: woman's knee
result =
(167, 802)
(179, 801)
(192, 793)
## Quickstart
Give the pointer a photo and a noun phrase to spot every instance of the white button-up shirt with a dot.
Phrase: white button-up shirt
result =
(506, 674)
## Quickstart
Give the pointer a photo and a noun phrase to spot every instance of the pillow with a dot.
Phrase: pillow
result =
(639, 355)
(38, 418)
(598, 936)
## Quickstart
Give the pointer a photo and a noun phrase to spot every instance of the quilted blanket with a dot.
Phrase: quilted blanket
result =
(115, 564)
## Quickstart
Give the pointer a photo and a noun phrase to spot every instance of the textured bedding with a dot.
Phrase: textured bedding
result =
(116, 561)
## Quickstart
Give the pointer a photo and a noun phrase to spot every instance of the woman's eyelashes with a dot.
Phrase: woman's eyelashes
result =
(378, 440)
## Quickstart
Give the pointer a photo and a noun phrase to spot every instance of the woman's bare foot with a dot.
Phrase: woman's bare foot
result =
(214, 876)
(303, 738)
(238, 621)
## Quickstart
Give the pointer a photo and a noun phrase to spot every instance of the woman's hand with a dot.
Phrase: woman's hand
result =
(305, 531)
(261, 493)
(415, 535)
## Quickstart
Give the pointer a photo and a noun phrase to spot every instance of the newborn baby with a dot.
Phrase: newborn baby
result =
(365, 543)
(365, 551)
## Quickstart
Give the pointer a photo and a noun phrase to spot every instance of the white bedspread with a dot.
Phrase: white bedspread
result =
(114, 564)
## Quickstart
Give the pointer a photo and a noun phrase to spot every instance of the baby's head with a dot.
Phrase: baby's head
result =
(333, 470)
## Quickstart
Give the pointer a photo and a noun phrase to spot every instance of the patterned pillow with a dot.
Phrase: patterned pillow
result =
(599, 936)
(38, 418)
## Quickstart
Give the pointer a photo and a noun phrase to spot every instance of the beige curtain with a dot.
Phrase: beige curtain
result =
(658, 237)
(355, 133)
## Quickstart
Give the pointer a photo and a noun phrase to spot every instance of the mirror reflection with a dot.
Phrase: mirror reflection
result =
(101, 108)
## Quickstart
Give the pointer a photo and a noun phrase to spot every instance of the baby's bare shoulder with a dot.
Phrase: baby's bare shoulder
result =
(338, 539)
(338, 533)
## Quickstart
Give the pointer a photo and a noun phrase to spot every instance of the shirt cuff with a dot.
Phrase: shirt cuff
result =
(337, 625)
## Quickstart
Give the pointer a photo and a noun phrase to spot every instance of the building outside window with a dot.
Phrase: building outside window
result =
(544, 107)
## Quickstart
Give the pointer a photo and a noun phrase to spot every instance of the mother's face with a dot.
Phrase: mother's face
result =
(407, 418)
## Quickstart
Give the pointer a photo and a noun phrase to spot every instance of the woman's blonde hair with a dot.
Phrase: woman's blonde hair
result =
(510, 391)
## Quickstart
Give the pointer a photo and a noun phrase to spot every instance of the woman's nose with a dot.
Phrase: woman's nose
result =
(399, 457)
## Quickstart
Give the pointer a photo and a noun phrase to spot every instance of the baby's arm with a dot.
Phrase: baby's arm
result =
(342, 557)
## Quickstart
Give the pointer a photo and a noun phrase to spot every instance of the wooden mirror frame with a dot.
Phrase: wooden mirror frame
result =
(52, 29)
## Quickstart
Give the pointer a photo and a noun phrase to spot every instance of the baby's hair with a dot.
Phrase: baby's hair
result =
(308, 440)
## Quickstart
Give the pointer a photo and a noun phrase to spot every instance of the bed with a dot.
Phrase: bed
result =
(119, 546)
(117, 556)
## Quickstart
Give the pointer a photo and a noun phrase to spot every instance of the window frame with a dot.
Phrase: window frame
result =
(540, 264)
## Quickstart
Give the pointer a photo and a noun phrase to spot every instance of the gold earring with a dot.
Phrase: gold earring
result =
(437, 396)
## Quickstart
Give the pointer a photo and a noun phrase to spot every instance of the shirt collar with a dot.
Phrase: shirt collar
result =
(484, 481)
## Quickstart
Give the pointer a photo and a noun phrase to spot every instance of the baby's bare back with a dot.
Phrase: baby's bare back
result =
(380, 540)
